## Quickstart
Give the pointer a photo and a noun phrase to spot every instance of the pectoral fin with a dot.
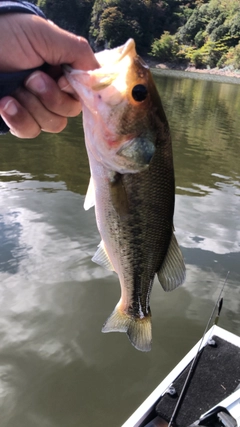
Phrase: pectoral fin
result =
(89, 201)
(101, 257)
(118, 195)
(173, 271)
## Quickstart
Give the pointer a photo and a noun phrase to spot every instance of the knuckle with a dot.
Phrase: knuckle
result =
(67, 106)
(62, 125)
(56, 125)
(76, 111)
(23, 134)
(35, 133)
(83, 41)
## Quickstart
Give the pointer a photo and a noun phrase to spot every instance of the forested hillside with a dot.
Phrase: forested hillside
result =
(205, 33)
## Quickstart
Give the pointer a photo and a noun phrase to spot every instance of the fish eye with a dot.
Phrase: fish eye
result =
(139, 93)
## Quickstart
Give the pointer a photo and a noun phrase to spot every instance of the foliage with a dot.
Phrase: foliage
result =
(114, 21)
(112, 18)
(208, 55)
(232, 57)
(165, 48)
(205, 33)
(73, 15)
(210, 36)
(194, 25)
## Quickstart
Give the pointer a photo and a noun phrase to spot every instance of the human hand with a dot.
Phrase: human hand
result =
(45, 101)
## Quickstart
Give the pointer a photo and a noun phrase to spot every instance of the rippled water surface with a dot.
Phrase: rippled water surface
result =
(56, 368)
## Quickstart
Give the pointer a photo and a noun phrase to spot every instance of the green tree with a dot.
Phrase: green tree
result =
(111, 19)
(193, 26)
(114, 21)
(204, 32)
(165, 48)
(232, 57)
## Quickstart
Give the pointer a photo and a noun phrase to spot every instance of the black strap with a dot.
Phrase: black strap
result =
(18, 6)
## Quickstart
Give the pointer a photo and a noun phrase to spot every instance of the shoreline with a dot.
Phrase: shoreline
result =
(225, 72)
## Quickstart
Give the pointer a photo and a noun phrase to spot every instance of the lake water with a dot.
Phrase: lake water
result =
(56, 367)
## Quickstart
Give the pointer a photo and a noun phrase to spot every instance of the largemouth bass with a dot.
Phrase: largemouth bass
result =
(132, 184)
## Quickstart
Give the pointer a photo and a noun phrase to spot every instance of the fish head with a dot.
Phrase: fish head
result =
(121, 107)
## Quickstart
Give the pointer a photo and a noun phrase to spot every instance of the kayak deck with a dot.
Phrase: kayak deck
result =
(215, 377)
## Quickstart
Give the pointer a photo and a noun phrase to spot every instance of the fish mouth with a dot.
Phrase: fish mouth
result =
(139, 151)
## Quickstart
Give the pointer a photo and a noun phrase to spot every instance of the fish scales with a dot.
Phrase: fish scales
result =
(132, 184)
(148, 233)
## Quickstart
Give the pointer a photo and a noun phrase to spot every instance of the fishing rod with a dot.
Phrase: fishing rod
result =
(218, 305)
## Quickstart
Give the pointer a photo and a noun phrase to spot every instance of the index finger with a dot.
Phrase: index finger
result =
(59, 47)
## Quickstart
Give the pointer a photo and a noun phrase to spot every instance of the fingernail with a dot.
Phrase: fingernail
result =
(10, 108)
(36, 83)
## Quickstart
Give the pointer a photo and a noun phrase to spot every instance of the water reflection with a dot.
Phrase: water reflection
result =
(55, 365)
(204, 120)
(62, 157)
(214, 221)
(11, 250)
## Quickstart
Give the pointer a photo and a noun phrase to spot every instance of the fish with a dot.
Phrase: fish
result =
(132, 185)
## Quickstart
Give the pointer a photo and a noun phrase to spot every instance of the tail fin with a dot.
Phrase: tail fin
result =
(139, 331)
